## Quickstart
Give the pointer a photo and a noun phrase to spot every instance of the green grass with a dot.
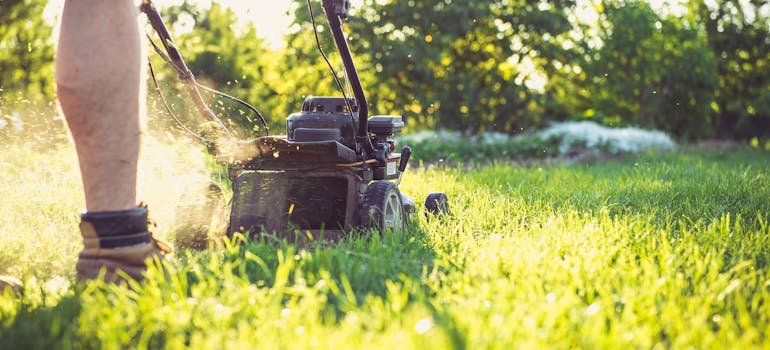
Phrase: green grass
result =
(651, 251)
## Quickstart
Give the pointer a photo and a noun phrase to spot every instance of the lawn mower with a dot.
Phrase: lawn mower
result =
(336, 168)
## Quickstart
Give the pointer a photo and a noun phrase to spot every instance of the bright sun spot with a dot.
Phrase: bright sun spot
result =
(270, 18)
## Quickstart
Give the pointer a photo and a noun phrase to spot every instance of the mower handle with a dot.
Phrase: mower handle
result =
(334, 10)
(340, 7)
(185, 74)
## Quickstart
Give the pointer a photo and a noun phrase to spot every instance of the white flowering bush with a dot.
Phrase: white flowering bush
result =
(599, 138)
(448, 136)
(558, 139)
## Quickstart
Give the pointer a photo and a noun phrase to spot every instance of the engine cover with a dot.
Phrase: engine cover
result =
(324, 119)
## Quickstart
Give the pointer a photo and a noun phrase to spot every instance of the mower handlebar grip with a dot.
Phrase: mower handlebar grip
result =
(406, 152)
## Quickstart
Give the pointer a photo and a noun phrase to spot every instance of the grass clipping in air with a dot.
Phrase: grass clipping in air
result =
(43, 199)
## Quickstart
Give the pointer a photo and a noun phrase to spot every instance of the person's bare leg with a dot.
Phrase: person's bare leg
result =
(98, 75)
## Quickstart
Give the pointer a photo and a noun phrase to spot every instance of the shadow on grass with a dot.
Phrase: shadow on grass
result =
(363, 260)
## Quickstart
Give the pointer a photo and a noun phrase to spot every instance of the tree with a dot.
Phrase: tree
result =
(639, 68)
(738, 33)
(26, 61)
(236, 62)
(657, 73)
(453, 65)
(473, 66)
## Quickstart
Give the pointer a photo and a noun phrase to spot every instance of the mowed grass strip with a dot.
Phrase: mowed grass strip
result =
(659, 250)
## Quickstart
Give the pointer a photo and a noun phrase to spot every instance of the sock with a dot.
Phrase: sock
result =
(120, 228)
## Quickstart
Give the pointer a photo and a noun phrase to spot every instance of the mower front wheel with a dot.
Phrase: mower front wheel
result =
(437, 203)
(382, 208)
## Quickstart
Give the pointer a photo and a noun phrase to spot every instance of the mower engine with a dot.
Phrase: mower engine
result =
(313, 180)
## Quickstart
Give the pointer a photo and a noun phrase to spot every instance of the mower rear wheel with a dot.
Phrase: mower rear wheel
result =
(382, 208)
(437, 203)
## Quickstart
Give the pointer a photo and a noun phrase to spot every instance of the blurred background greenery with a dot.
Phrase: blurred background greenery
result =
(694, 69)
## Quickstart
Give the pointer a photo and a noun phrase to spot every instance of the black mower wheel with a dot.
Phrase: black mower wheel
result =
(381, 208)
(437, 203)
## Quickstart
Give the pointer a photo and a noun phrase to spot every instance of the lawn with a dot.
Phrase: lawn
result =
(659, 250)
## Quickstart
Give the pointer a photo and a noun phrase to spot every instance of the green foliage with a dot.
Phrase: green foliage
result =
(739, 35)
(447, 148)
(569, 140)
(473, 66)
(302, 71)
(658, 74)
(236, 62)
(26, 70)
(26, 54)
(659, 250)
(454, 65)
(649, 70)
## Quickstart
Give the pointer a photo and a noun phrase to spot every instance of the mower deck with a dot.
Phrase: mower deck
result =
(286, 186)
(272, 152)
(323, 202)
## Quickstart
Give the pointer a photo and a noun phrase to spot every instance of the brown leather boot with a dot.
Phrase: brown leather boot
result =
(117, 241)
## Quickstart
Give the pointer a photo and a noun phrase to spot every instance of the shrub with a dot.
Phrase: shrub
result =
(557, 140)
(609, 140)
